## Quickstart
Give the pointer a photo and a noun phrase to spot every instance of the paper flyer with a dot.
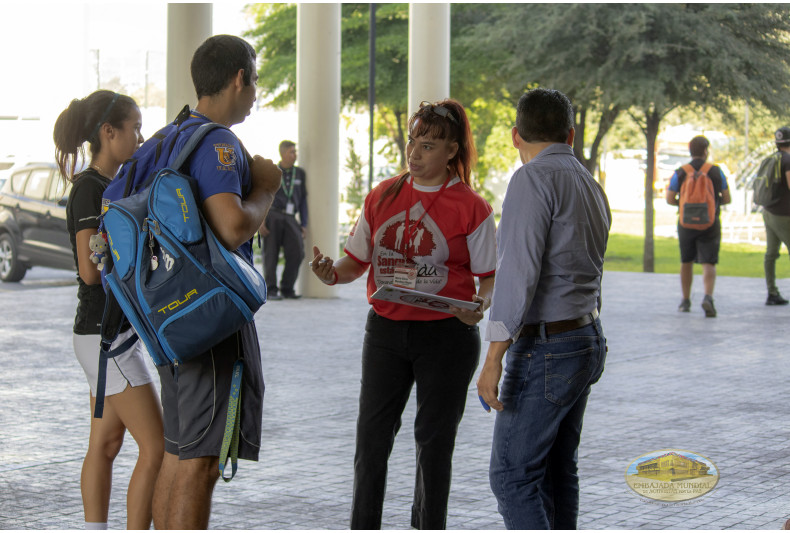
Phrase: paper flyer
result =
(425, 300)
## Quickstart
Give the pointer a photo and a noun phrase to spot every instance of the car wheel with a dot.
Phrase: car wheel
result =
(10, 267)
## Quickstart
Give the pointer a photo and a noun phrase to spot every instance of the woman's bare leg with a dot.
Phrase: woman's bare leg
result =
(139, 410)
(106, 438)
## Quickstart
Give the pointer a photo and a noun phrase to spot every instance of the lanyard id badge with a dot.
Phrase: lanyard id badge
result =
(290, 207)
(405, 274)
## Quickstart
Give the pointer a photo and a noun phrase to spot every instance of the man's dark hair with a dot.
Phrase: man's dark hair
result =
(544, 115)
(698, 145)
(285, 145)
(218, 60)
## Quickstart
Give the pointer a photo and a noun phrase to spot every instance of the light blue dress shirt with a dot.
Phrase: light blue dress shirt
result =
(551, 241)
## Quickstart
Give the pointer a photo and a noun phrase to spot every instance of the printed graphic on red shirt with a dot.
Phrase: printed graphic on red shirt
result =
(425, 245)
(420, 244)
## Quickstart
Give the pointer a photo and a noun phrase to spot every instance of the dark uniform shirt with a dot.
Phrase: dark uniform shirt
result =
(293, 190)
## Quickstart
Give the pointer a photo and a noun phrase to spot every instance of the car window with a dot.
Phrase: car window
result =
(36, 187)
(18, 181)
(57, 189)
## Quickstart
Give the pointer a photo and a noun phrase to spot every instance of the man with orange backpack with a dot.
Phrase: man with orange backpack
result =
(699, 189)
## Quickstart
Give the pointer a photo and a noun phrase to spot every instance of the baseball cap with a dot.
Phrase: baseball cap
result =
(782, 135)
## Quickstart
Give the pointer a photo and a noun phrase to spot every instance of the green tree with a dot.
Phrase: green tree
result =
(274, 39)
(705, 55)
(356, 188)
(645, 58)
(520, 46)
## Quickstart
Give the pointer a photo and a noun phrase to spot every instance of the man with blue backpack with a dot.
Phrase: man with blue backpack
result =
(233, 192)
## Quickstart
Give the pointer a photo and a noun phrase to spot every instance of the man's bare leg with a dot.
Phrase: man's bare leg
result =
(686, 278)
(191, 492)
(709, 277)
(163, 490)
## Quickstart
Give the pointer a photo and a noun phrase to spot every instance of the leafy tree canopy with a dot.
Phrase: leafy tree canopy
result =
(274, 38)
(646, 58)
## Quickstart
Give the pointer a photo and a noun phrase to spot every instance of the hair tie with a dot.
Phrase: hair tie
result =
(103, 117)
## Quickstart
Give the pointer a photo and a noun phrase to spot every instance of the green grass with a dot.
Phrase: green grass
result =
(624, 254)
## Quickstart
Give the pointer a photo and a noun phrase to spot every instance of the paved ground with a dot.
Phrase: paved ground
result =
(716, 387)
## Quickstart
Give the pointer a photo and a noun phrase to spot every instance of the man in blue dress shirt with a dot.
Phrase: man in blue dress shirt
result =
(550, 249)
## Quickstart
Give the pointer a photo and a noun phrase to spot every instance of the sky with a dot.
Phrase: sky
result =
(48, 57)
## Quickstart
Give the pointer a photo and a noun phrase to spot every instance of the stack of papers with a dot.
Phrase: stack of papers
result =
(389, 293)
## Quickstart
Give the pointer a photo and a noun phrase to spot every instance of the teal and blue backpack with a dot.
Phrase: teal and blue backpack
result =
(169, 276)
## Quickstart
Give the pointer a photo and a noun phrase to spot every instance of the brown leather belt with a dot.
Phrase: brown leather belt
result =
(561, 326)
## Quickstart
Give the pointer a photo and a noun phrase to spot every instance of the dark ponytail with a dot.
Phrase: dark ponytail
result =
(81, 122)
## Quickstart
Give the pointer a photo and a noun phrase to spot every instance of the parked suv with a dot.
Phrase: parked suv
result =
(33, 221)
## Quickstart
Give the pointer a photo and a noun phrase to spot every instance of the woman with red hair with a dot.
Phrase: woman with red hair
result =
(425, 229)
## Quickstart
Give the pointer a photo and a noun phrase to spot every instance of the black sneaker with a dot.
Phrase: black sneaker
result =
(685, 305)
(273, 296)
(776, 299)
(290, 295)
(707, 306)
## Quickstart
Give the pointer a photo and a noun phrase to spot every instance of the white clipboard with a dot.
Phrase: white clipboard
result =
(424, 300)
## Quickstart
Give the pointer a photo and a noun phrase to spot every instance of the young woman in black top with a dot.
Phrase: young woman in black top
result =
(110, 123)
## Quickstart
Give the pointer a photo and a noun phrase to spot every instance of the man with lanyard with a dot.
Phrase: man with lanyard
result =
(282, 230)
(544, 314)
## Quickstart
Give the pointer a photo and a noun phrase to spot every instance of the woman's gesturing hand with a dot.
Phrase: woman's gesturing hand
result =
(323, 267)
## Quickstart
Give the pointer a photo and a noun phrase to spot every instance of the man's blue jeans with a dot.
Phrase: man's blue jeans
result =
(547, 382)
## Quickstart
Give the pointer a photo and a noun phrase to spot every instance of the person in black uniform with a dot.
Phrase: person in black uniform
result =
(281, 229)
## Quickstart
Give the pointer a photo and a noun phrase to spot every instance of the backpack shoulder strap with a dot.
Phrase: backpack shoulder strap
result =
(705, 168)
(191, 144)
(182, 115)
(777, 170)
(689, 170)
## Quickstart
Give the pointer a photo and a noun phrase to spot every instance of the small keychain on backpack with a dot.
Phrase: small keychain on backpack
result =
(154, 259)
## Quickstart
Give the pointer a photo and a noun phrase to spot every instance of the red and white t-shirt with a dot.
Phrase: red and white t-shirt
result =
(453, 242)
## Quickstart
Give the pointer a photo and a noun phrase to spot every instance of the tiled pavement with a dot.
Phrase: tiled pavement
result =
(716, 387)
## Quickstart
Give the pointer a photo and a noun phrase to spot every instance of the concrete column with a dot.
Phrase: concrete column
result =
(318, 144)
(429, 53)
(188, 25)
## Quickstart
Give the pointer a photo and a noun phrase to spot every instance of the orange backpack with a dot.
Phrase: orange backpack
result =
(697, 198)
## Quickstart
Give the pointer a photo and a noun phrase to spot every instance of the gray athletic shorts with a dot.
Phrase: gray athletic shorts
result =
(195, 402)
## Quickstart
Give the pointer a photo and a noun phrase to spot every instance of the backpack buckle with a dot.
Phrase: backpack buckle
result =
(152, 225)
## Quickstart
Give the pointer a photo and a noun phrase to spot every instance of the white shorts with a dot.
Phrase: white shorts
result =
(129, 368)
